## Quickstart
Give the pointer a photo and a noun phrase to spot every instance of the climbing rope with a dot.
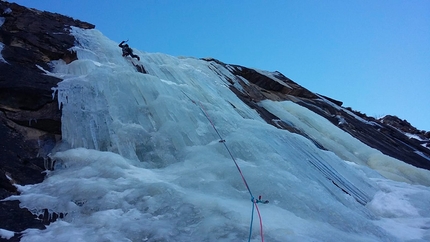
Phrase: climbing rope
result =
(253, 199)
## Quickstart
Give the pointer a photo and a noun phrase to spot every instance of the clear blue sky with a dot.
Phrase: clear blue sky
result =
(374, 55)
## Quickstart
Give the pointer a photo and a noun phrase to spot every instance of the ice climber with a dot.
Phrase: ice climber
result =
(126, 50)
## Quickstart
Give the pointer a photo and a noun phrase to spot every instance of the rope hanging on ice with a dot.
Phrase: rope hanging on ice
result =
(253, 199)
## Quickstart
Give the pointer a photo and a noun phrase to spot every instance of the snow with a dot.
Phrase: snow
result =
(2, 19)
(400, 208)
(341, 119)
(8, 176)
(141, 162)
(417, 137)
(423, 143)
(6, 234)
(7, 11)
(422, 154)
(413, 136)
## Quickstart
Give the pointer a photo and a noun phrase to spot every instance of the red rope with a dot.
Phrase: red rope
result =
(261, 222)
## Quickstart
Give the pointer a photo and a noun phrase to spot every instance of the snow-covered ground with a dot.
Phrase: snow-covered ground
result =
(141, 162)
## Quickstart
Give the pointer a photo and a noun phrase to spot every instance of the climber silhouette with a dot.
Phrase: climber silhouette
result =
(126, 50)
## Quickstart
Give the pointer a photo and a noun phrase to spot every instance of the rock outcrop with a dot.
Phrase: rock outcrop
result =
(406, 127)
(30, 120)
(389, 135)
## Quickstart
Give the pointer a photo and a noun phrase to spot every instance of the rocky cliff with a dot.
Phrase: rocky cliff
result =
(391, 135)
(31, 120)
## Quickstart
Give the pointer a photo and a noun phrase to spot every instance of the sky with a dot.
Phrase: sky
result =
(374, 56)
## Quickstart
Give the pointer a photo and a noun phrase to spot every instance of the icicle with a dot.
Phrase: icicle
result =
(93, 130)
(54, 92)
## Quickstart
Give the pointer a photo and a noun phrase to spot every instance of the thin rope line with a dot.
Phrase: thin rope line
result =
(261, 222)
(240, 171)
(254, 201)
(252, 221)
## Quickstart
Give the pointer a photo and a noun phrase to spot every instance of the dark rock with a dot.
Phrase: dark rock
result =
(280, 87)
(399, 124)
(30, 120)
(17, 221)
(386, 135)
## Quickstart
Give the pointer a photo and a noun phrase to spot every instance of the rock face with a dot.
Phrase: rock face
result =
(406, 127)
(390, 135)
(30, 120)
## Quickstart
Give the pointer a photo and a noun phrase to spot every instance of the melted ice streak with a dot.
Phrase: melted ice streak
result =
(144, 164)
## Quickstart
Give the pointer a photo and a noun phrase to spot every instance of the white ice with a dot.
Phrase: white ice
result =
(141, 162)
(1, 49)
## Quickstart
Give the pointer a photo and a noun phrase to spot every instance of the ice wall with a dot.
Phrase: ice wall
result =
(140, 161)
